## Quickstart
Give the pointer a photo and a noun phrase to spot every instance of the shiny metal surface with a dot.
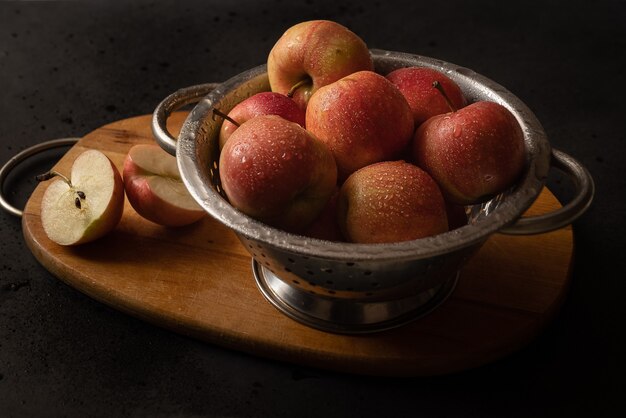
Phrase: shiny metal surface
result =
(170, 104)
(21, 156)
(365, 274)
(347, 316)
(585, 190)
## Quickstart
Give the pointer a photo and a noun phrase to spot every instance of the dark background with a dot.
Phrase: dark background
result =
(67, 68)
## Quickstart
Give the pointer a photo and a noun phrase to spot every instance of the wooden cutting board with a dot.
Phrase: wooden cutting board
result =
(197, 280)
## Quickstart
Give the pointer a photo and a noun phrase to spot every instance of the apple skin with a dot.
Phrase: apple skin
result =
(390, 201)
(277, 172)
(416, 84)
(318, 52)
(154, 187)
(264, 103)
(326, 225)
(100, 211)
(363, 118)
(473, 153)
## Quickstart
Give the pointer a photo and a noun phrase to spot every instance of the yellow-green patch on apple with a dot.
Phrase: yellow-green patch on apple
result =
(312, 54)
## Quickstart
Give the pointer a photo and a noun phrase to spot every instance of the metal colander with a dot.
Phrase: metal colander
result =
(355, 288)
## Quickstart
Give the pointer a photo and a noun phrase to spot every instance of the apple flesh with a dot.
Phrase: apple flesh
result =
(312, 54)
(265, 103)
(154, 187)
(416, 84)
(363, 118)
(277, 172)
(473, 153)
(390, 201)
(85, 206)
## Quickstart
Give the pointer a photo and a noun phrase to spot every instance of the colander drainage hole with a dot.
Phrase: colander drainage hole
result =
(367, 273)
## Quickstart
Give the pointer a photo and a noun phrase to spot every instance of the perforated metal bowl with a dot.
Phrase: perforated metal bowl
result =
(354, 288)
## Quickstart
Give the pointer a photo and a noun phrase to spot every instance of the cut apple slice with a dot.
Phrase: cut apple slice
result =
(154, 187)
(85, 206)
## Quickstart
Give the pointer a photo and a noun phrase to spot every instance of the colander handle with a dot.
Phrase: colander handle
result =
(567, 214)
(169, 105)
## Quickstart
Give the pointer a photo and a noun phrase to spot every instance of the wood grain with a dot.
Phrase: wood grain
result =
(197, 280)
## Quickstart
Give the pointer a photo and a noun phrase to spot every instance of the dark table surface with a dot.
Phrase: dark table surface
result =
(69, 67)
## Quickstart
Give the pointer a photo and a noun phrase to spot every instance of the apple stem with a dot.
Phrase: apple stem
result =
(50, 174)
(225, 116)
(296, 86)
(439, 87)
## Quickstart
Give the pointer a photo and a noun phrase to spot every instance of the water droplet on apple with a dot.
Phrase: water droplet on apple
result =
(457, 131)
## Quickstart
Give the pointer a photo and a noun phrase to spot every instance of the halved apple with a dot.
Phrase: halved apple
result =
(154, 187)
(85, 206)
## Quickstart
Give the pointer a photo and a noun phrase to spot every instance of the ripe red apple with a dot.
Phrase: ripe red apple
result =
(473, 153)
(391, 201)
(312, 54)
(265, 103)
(416, 84)
(363, 118)
(326, 225)
(85, 206)
(277, 172)
(154, 187)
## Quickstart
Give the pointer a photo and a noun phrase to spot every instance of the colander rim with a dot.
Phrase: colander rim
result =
(474, 85)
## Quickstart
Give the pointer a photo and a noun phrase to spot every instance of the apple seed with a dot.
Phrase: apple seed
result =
(50, 174)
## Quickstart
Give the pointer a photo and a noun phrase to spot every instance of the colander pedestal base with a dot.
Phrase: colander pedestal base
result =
(348, 316)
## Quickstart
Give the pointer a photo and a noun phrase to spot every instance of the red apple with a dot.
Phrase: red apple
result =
(312, 54)
(416, 84)
(265, 103)
(85, 206)
(277, 172)
(473, 153)
(326, 226)
(391, 201)
(363, 118)
(154, 187)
